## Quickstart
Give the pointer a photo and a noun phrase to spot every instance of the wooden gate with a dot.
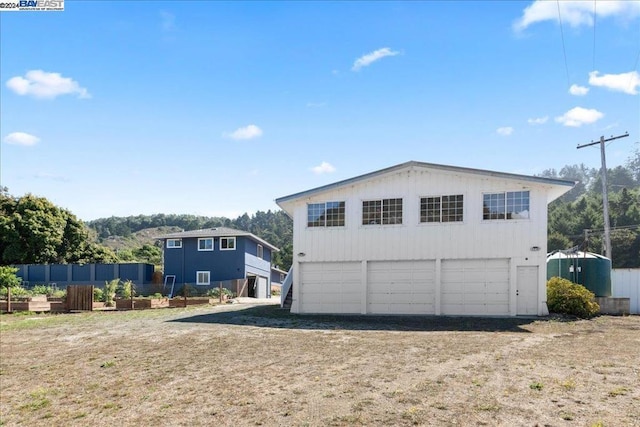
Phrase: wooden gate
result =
(79, 297)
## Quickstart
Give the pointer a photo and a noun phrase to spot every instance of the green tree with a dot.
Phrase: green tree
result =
(8, 277)
(149, 253)
(35, 231)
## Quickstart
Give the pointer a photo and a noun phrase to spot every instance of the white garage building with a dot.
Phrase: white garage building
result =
(420, 238)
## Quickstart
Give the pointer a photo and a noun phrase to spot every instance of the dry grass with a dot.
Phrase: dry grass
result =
(245, 365)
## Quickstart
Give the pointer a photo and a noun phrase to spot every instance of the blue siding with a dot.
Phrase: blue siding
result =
(129, 272)
(104, 272)
(81, 273)
(96, 274)
(185, 262)
(37, 274)
(255, 265)
(173, 262)
(58, 273)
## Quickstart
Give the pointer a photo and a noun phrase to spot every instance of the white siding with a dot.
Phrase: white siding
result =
(401, 287)
(472, 238)
(625, 283)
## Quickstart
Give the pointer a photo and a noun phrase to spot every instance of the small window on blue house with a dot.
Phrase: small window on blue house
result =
(260, 252)
(227, 243)
(205, 244)
(174, 243)
(203, 278)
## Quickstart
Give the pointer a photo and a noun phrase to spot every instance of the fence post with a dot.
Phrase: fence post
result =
(9, 299)
(220, 292)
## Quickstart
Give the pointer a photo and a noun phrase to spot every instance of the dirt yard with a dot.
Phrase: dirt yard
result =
(253, 365)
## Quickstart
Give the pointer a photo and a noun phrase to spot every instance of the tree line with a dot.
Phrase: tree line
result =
(576, 219)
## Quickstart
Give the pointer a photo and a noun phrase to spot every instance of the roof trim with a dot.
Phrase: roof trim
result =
(413, 163)
(217, 232)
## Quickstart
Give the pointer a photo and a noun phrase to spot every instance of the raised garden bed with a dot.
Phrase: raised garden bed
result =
(181, 302)
(141, 303)
(27, 305)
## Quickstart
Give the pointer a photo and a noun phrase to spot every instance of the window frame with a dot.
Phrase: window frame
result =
(507, 199)
(228, 239)
(260, 251)
(337, 219)
(198, 282)
(382, 210)
(202, 239)
(174, 246)
(451, 215)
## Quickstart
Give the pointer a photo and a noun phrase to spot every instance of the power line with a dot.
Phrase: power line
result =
(605, 197)
(594, 35)
(564, 51)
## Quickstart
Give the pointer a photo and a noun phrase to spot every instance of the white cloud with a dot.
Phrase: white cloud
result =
(579, 116)
(578, 90)
(575, 13)
(247, 132)
(323, 167)
(370, 58)
(624, 82)
(168, 21)
(21, 138)
(41, 84)
(538, 120)
(505, 131)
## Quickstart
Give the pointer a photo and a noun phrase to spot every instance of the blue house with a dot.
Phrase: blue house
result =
(205, 258)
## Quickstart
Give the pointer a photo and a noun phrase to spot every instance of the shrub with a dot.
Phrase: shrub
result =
(16, 291)
(125, 289)
(215, 293)
(98, 294)
(566, 297)
(110, 291)
(40, 290)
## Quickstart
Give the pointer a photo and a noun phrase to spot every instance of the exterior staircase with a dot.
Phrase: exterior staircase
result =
(286, 294)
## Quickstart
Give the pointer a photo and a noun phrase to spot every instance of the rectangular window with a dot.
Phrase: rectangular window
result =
(227, 243)
(174, 243)
(508, 205)
(385, 211)
(441, 208)
(205, 244)
(260, 252)
(202, 278)
(330, 214)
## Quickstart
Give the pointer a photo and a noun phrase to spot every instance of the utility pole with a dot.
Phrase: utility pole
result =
(605, 197)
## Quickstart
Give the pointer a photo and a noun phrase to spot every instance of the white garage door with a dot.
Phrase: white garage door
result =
(330, 287)
(261, 287)
(475, 287)
(401, 287)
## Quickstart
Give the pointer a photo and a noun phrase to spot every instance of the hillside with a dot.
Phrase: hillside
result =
(146, 236)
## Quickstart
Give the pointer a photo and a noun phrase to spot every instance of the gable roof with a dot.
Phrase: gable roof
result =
(217, 232)
(423, 165)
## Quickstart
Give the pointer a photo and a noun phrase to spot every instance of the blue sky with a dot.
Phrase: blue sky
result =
(217, 108)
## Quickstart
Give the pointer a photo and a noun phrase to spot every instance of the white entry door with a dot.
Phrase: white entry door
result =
(527, 290)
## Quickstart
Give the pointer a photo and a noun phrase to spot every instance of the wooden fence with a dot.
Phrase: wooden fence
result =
(79, 297)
